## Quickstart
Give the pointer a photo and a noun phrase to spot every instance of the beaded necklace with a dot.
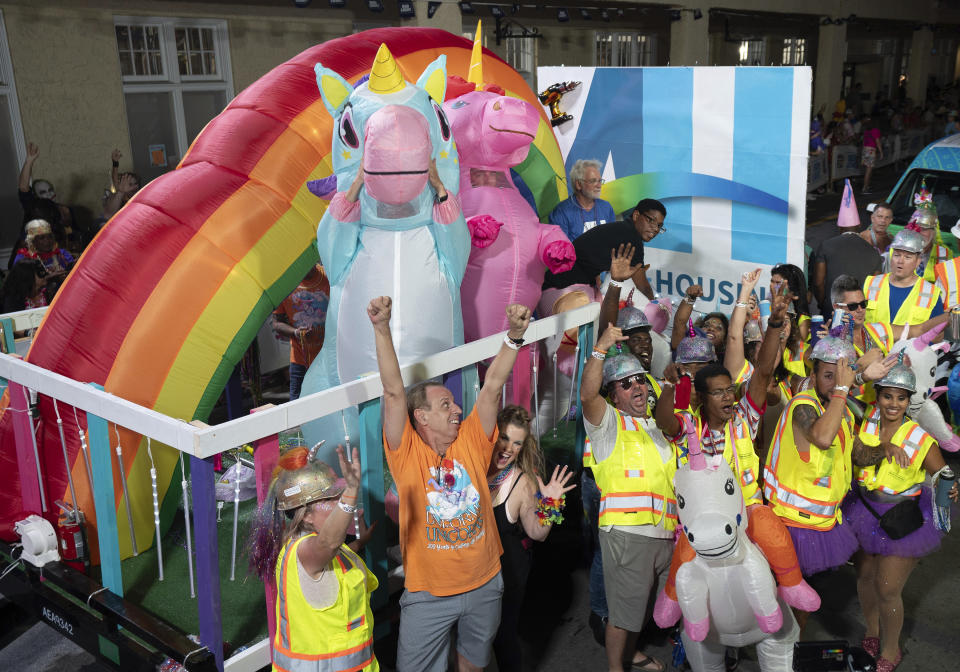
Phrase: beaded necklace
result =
(500, 477)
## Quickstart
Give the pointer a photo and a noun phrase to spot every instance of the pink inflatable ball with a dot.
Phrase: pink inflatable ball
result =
(396, 155)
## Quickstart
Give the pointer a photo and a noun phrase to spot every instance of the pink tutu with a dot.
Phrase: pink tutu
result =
(819, 551)
(875, 541)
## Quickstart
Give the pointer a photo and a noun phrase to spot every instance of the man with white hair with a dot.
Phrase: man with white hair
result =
(584, 209)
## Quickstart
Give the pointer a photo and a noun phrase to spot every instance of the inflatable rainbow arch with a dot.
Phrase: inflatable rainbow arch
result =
(167, 298)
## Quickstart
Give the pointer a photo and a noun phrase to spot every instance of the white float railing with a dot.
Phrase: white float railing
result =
(200, 441)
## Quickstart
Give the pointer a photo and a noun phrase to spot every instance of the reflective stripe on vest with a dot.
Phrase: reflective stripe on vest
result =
(881, 334)
(948, 279)
(631, 502)
(739, 453)
(888, 476)
(915, 309)
(635, 482)
(874, 284)
(311, 639)
(792, 485)
(354, 659)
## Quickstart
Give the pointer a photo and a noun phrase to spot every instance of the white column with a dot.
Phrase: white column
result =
(828, 75)
(920, 60)
(690, 40)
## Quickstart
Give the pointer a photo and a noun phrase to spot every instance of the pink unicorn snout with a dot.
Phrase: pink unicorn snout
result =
(510, 126)
(396, 154)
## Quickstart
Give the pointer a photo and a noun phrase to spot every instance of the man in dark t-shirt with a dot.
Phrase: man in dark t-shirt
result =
(593, 248)
(846, 254)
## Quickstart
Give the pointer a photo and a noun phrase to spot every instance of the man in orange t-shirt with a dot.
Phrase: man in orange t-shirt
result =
(300, 319)
(451, 548)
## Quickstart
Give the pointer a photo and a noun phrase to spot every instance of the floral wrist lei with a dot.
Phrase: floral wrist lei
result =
(549, 510)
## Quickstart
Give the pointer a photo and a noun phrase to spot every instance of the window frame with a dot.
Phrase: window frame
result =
(172, 82)
(8, 87)
(643, 47)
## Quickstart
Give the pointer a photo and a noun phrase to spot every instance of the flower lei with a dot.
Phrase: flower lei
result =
(500, 477)
(550, 510)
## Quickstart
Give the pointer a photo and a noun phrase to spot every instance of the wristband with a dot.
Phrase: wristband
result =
(346, 508)
(507, 341)
(616, 283)
(775, 325)
(600, 350)
(839, 396)
(596, 354)
(442, 199)
(116, 164)
(858, 379)
(741, 304)
(689, 300)
(841, 388)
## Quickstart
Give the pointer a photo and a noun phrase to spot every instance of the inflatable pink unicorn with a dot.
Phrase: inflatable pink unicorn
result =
(511, 247)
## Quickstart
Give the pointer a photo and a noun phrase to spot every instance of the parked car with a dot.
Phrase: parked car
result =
(938, 165)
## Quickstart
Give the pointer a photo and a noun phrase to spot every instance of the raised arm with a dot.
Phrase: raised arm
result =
(682, 314)
(26, 172)
(665, 412)
(315, 552)
(594, 405)
(394, 394)
(733, 356)
(115, 169)
(642, 283)
(769, 348)
(488, 399)
(555, 489)
(620, 270)
(810, 430)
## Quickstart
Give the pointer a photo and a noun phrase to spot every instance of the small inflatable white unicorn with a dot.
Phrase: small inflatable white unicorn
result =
(727, 594)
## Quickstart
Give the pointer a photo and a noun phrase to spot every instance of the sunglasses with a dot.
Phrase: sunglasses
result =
(853, 306)
(628, 383)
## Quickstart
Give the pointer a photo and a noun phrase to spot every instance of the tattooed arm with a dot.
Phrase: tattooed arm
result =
(819, 431)
(868, 456)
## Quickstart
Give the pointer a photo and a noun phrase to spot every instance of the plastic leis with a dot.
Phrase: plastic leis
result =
(550, 510)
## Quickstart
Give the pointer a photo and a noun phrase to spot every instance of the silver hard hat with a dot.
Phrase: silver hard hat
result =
(752, 332)
(314, 480)
(695, 349)
(926, 217)
(830, 348)
(619, 365)
(908, 241)
(901, 376)
(630, 319)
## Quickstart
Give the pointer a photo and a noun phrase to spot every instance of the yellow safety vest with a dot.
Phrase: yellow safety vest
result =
(938, 254)
(915, 309)
(881, 333)
(653, 395)
(808, 494)
(739, 453)
(794, 363)
(636, 484)
(948, 281)
(338, 638)
(888, 477)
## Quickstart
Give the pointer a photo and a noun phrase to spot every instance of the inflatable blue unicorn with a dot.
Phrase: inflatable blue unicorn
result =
(395, 239)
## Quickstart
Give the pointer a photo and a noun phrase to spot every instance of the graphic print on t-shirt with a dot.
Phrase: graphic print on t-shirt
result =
(453, 507)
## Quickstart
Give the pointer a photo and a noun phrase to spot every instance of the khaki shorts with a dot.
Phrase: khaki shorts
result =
(426, 621)
(634, 571)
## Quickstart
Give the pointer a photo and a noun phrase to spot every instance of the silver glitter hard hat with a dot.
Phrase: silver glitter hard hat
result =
(752, 332)
(830, 348)
(908, 241)
(630, 319)
(695, 349)
(900, 376)
(619, 365)
(315, 480)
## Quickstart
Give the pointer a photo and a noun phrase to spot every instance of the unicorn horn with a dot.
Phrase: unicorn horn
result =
(475, 73)
(928, 337)
(694, 454)
(385, 75)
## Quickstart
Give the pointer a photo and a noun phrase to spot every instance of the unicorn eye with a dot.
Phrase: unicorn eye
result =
(728, 486)
(348, 135)
(444, 124)
(680, 501)
(460, 103)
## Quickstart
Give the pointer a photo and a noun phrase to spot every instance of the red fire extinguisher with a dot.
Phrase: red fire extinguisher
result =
(71, 537)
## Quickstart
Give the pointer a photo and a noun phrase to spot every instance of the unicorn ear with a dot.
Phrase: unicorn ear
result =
(334, 89)
(434, 79)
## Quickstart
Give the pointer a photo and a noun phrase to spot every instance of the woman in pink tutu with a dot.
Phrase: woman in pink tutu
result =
(895, 455)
